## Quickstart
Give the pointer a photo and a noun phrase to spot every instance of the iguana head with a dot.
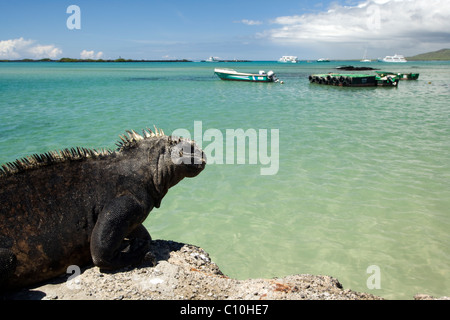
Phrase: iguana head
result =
(168, 159)
(188, 158)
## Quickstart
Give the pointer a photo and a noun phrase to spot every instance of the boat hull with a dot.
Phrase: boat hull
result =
(231, 75)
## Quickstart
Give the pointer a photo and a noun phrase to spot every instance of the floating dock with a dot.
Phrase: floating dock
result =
(354, 80)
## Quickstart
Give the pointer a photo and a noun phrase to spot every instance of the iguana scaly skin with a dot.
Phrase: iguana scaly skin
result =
(77, 206)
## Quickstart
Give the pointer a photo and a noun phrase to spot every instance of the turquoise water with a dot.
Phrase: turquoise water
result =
(363, 177)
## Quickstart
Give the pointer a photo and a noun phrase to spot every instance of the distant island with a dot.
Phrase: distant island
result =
(92, 60)
(442, 55)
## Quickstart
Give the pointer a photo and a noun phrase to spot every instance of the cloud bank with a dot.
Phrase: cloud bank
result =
(21, 48)
(91, 54)
(379, 23)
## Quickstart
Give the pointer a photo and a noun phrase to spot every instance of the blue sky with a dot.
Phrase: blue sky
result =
(197, 29)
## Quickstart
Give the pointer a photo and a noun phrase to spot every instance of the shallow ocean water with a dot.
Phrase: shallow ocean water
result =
(363, 174)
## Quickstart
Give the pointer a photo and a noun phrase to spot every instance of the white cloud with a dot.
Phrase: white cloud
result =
(48, 51)
(388, 23)
(21, 48)
(249, 22)
(91, 54)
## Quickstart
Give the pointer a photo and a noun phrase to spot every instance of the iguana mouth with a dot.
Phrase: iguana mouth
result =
(198, 160)
(197, 157)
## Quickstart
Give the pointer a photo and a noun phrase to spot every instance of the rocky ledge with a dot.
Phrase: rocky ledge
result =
(176, 271)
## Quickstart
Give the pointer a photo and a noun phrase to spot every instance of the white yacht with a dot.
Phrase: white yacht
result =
(212, 59)
(288, 59)
(395, 58)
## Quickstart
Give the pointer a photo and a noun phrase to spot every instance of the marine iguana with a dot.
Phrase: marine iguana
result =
(78, 206)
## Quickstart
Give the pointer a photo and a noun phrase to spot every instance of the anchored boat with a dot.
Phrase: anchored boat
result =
(230, 74)
(212, 59)
(397, 58)
(288, 59)
(402, 76)
(354, 80)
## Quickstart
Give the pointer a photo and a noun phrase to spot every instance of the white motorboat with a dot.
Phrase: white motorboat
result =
(288, 59)
(212, 59)
(230, 74)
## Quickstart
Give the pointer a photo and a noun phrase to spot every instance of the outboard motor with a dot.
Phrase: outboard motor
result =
(393, 81)
(272, 76)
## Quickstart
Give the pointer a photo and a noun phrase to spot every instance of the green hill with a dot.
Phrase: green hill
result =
(443, 54)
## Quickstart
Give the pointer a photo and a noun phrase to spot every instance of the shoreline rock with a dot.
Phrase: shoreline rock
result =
(178, 271)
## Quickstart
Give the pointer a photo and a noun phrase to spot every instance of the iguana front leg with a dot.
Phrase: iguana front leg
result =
(119, 239)
(8, 262)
